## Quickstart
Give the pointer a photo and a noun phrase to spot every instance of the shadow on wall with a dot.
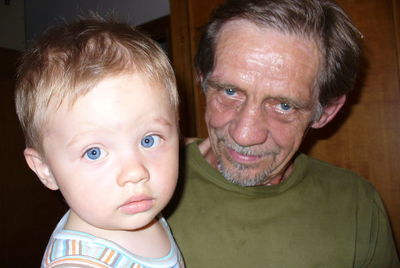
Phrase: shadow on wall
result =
(29, 210)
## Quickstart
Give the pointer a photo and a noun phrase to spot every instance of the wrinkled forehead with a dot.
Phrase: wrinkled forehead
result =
(264, 41)
(240, 25)
(244, 46)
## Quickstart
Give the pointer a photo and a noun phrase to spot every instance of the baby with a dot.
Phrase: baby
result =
(97, 102)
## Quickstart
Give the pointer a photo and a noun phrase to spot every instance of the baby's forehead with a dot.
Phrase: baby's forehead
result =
(81, 89)
(139, 90)
(114, 104)
(133, 81)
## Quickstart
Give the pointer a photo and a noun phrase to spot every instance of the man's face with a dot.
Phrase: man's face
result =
(260, 101)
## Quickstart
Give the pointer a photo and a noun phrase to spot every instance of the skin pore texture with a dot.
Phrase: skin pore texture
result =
(114, 156)
(260, 100)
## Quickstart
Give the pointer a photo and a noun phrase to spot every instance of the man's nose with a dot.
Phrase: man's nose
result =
(249, 127)
(133, 170)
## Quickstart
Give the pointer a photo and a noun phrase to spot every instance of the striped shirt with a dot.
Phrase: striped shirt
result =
(78, 249)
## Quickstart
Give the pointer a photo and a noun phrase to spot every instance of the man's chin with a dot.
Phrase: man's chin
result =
(242, 176)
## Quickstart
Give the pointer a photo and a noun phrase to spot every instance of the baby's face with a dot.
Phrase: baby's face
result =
(114, 154)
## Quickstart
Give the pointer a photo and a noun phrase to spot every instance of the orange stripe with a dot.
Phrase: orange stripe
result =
(110, 255)
(79, 261)
(73, 246)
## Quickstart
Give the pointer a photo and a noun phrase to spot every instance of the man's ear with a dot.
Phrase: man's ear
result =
(37, 163)
(200, 78)
(329, 112)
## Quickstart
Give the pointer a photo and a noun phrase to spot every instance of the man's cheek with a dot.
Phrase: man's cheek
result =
(217, 118)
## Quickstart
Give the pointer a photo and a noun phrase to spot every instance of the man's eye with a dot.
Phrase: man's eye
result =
(94, 153)
(150, 141)
(230, 91)
(285, 107)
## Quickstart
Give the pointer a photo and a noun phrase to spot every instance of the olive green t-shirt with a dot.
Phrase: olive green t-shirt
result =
(320, 216)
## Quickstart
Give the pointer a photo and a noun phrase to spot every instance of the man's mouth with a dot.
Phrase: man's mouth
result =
(242, 158)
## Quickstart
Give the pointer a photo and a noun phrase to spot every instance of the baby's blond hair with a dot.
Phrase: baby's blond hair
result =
(69, 60)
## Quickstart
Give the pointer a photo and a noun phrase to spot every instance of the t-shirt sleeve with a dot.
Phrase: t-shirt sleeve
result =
(382, 249)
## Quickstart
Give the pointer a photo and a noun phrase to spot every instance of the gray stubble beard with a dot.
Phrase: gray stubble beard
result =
(241, 179)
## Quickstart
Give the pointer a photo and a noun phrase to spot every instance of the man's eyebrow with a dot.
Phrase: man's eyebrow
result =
(304, 105)
(219, 86)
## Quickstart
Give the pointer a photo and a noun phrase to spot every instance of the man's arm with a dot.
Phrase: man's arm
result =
(382, 249)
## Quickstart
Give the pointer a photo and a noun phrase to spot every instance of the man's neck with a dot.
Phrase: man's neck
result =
(282, 176)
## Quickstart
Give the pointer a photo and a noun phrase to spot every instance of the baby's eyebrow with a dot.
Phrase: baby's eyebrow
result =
(163, 121)
(79, 136)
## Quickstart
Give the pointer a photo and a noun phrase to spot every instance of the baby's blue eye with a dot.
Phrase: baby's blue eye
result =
(230, 91)
(285, 106)
(93, 153)
(150, 141)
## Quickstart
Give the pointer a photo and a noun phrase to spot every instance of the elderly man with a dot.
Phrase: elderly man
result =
(272, 69)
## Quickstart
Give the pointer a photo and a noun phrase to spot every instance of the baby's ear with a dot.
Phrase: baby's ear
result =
(38, 164)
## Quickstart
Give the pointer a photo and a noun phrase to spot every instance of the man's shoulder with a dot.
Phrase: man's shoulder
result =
(318, 165)
(329, 173)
